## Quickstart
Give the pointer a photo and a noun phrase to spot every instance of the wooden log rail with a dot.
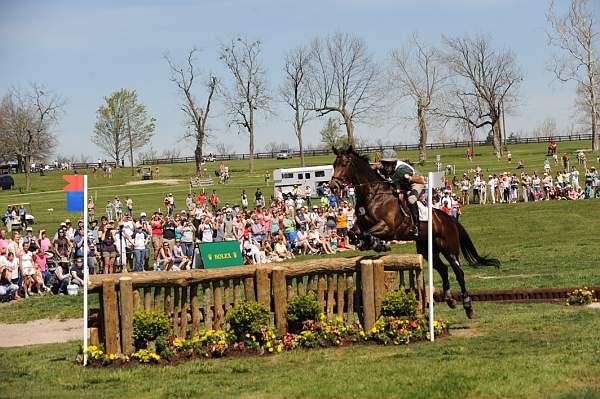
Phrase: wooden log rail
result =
(350, 288)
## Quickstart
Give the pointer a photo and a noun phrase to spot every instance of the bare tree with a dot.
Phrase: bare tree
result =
(545, 128)
(248, 92)
(224, 149)
(27, 128)
(274, 146)
(183, 76)
(416, 73)
(295, 90)
(345, 79)
(485, 79)
(576, 35)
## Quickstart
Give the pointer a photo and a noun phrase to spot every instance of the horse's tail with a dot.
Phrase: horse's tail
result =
(470, 253)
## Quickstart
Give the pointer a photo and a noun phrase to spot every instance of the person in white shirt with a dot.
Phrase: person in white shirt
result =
(139, 241)
(9, 274)
(492, 187)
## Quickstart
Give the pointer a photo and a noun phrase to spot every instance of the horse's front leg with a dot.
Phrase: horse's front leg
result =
(380, 231)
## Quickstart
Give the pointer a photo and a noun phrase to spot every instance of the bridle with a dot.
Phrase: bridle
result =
(340, 182)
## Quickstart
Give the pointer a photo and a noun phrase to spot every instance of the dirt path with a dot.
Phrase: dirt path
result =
(46, 331)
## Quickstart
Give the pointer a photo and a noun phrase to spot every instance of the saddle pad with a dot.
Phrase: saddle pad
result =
(422, 212)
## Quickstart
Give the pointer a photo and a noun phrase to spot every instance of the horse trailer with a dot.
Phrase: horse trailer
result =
(313, 176)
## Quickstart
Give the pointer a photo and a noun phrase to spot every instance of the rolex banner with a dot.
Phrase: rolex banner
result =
(221, 254)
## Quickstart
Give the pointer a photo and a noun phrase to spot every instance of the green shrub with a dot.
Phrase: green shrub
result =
(248, 318)
(398, 304)
(302, 308)
(148, 326)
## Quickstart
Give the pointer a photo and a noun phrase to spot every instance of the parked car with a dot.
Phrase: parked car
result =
(6, 182)
(284, 155)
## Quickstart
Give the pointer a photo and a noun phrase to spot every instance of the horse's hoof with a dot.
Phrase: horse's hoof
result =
(451, 303)
(469, 312)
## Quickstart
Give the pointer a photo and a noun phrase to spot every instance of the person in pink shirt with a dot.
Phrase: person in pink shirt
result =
(3, 240)
(41, 258)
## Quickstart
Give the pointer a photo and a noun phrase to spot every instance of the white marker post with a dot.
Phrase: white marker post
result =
(85, 268)
(434, 180)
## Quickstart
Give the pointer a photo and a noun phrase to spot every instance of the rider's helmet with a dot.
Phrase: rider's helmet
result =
(389, 156)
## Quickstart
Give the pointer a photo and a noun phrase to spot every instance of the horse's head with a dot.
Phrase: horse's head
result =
(345, 167)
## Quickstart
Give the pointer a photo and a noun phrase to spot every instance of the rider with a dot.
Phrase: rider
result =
(405, 178)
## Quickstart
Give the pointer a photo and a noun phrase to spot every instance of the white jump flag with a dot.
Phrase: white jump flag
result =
(77, 201)
(435, 179)
(86, 273)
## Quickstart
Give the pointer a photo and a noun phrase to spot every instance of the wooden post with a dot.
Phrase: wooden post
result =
(321, 290)
(263, 288)
(330, 296)
(126, 304)
(391, 280)
(368, 297)
(421, 291)
(290, 288)
(147, 299)
(300, 282)
(378, 286)
(218, 305)
(279, 299)
(227, 295)
(195, 308)
(184, 312)
(176, 310)
(249, 289)
(136, 300)
(157, 292)
(208, 317)
(236, 291)
(341, 291)
(168, 301)
(350, 285)
(310, 283)
(94, 336)
(111, 317)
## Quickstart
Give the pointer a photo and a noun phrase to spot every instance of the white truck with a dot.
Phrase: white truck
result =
(313, 176)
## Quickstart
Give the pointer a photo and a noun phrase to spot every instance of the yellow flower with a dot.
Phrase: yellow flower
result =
(209, 333)
(373, 330)
(279, 348)
(221, 342)
(111, 356)
(361, 333)
(253, 338)
(435, 323)
(247, 335)
(268, 344)
(270, 349)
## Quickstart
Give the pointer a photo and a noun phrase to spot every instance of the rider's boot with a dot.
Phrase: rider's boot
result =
(414, 210)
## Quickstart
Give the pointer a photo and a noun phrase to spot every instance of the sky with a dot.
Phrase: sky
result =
(85, 50)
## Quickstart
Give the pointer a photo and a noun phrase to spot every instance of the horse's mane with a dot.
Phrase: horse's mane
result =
(364, 157)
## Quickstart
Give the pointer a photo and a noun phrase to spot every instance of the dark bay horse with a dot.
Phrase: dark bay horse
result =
(379, 214)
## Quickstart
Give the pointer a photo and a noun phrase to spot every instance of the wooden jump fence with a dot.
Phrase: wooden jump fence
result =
(351, 288)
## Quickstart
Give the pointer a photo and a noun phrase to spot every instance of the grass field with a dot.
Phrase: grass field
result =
(506, 351)
(517, 351)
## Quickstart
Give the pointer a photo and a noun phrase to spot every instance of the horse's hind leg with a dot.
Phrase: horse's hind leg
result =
(460, 278)
(442, 269)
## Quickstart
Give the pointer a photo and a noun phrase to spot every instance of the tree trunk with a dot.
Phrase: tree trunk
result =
(299, 135)
(28, 173)
(422, 135)
(595, 139)
(198, 152)
(349, 127)
(497, 137)
(251, 140)
(130, 144)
